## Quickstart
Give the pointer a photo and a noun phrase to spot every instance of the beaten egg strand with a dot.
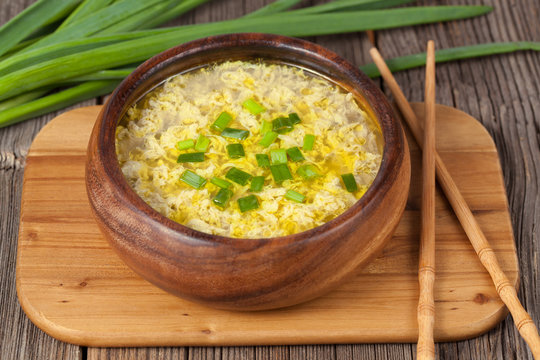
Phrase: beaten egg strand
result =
(185, 106)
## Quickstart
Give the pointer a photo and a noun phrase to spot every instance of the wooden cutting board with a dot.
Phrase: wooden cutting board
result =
(72, 285)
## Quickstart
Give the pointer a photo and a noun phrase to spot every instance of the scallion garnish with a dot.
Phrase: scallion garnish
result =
(263, 160)
(238, 176)
(222, 198)
(248, 203)
(235, 151)
(308, 171)
(221, 122)
(202, 143)
(237, 134)
(294, 118)
(253, 107)
(350, 182)
(280, 173)
(266, 126)
(295, 196)
(185, 144)
(282, 125)
(268, 139)
(224, 184)
(295, 154)
(278, 156)
(192, 179)
(309, 140)
(190, 157)
(257, 183)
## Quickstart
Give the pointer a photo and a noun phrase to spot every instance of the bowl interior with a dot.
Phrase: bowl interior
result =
(270, 48)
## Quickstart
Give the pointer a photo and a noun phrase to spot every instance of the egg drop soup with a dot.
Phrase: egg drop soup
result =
(249, 149)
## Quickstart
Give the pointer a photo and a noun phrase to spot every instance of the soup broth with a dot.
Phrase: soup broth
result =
(249, 149)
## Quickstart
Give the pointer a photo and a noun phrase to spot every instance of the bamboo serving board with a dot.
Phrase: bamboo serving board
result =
(72, 285)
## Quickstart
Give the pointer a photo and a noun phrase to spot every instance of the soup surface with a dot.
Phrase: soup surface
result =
(249, 149)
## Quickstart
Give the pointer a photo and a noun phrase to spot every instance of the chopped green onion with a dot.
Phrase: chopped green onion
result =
(294, 119)
(190, 157)
(192, 179)
(278, 156)
(235, 133)
(257, 183)
(263, 160)
(248, 203)
(295, 196)
(282, 125)
(253, 107)
(224, 184)
(235, 151)
(309, 140)
(266, 126)
(223, 120)
(185, 144)
(308, 171)
(350, 182)
(295, 154)
(222, 198)
(268, 139)
(202, 143)
(238, 176)
(280, 172)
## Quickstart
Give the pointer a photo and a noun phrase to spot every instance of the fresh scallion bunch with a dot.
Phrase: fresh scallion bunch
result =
(60, 52)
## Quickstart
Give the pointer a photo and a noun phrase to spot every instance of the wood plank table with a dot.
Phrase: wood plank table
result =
(503, 92)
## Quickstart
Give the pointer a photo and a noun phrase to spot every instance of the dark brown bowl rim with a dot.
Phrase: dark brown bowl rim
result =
(392, 156)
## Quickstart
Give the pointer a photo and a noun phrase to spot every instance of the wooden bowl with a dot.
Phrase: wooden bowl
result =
(245, 274)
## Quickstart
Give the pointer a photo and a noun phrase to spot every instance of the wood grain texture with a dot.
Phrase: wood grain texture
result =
(472, 228)
(501, 91)
(245, 274)
(20, 339)
(72, 284)
(426, 268)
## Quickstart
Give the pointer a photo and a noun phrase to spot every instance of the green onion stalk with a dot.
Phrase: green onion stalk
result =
(22, 111)
(452, 54)
(33, 18)
(127, 52)
(98, 42)
(96, 22)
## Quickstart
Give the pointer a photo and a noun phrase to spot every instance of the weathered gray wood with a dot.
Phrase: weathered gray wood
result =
(135, 353)
(19, 338)
(272, 353)
(204, 353)
(502, 92)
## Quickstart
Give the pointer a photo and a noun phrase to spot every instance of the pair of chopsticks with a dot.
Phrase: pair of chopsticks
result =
(432, 161)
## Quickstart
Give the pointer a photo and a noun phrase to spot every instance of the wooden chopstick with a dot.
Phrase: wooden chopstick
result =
(425, 349)
(504, 288)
